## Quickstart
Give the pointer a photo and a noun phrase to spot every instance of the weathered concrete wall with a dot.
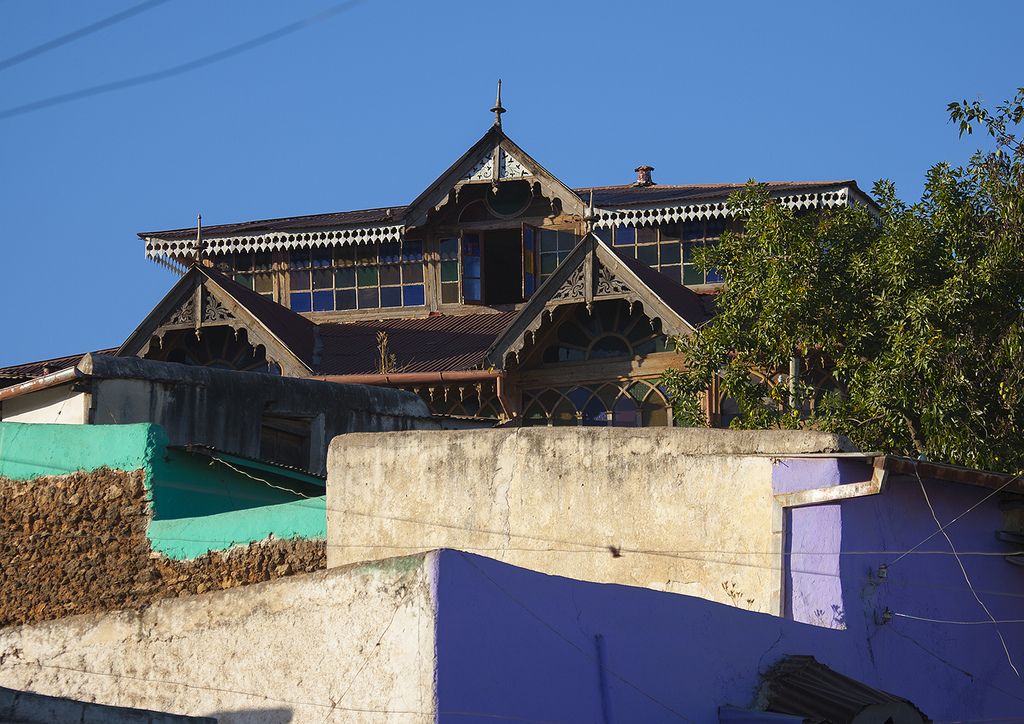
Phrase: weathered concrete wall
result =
(689, 511)
(57, 405)
(347, 645)
(24, 707)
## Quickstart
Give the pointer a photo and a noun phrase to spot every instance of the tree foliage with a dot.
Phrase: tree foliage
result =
(908, 320)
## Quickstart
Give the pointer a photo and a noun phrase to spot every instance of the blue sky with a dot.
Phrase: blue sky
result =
(367, 108)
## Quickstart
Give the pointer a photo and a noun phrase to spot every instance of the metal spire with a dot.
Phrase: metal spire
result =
(498, 110)
(199, 238)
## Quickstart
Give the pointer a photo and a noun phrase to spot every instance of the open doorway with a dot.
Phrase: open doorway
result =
(503, 266)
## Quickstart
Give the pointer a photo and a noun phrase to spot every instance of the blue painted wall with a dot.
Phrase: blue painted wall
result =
(517, 644)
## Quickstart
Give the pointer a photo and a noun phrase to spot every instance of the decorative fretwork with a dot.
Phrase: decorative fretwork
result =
(156, 247)
(510, 167)
(483, 169)
(605, 218)
(629, 403)
(608, 284)
(185, 314)
(214, 310)
(572, 288)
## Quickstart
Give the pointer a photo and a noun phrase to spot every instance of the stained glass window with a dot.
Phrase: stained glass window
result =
(640, 403)
(670, 248)
(366, 276)
(252, 269)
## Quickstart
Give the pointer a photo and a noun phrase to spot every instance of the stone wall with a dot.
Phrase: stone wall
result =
(77, 543)
(682, 510)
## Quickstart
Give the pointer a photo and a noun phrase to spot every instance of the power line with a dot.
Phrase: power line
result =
(80, 33)
(956, 623)
(174, 70)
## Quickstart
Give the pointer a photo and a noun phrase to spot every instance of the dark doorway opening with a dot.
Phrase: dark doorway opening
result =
(503, 266)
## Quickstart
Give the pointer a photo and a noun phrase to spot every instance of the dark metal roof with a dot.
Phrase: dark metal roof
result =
(655, 195)
(295, 331)
(382, 215)
(800, 685)
(438, 343)
(604, 196)
(695, 308)
(29, 370)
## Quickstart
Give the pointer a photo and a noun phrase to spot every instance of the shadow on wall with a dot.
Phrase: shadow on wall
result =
(254, 716)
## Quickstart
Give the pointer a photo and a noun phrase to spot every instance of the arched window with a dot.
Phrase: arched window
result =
(612, 329)
(641, 403)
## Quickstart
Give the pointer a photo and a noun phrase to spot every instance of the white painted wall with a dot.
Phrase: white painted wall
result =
(55, 405)
(682, 510)
(345, 645)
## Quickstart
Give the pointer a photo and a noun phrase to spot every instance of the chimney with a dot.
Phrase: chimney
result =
(643, 176)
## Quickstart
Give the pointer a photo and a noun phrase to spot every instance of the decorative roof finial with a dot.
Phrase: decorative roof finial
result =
(199, 238)
(498, 110)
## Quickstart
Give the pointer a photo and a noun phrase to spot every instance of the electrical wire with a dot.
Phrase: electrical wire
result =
(175, 70)
(956, 623)
(80, 33)
(963, 570)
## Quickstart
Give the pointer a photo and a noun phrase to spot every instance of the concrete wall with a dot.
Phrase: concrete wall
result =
(347, 645)
(23, 707)
(688, 511)
(57, 405)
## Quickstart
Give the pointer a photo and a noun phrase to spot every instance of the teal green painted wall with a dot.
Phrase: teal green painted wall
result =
(186, 538)
(197, 505)
(30, 450)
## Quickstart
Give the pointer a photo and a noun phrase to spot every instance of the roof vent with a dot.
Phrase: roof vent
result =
(643, 176)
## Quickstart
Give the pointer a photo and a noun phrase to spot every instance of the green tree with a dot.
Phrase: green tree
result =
(906, 319)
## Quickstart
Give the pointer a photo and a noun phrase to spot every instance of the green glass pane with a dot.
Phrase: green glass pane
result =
(366, 276)
(692, 274)
(449, 271)
(638, 391)
(264, 283)
(345, 278)
(244, 279)
(548, 262)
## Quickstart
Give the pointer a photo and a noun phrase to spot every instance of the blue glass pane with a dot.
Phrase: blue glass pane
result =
(594, 414)
(625, 235)
(414, 296)
(368, 298)
(470, 245)
(322, 257)
(390, 253)
(323, 301)
(471, 266)
(449, 248)
(566, 241)
(625, 414)
(345, 299)
(714, 276)
(471, 289)
(604, 235)
(648, 254)
(529, 285)
(391, 296)
(412, 251)
(693, 230)
(528, 238)
(579, 396)
(300, 302)
(298, 258)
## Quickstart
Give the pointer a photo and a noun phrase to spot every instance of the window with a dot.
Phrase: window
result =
(670, 248)
(552, 248)
(364, 276)
(252, 269)
(640, 403)
(469, 262)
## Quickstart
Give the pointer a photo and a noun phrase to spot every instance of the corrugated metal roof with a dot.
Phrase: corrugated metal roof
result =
(800, 685)
(438, 343)
(610, 197)
(382, 215)
(29, 370)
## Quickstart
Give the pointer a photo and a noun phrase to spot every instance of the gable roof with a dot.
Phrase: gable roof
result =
(205, 297)
(592, 272)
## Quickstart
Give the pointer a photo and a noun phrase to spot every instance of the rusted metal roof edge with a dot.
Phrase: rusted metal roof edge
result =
(899, 465)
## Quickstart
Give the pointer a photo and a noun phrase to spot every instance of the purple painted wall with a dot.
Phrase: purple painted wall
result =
(523, 645)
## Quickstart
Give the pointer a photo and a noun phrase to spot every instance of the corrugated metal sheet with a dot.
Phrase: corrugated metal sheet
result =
(802, 686)
(615, 197)
(288, 223)
(29, 370)
(439, 343)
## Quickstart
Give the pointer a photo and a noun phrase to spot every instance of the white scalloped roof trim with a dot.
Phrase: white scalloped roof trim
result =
(606, 218)
(277, 240)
